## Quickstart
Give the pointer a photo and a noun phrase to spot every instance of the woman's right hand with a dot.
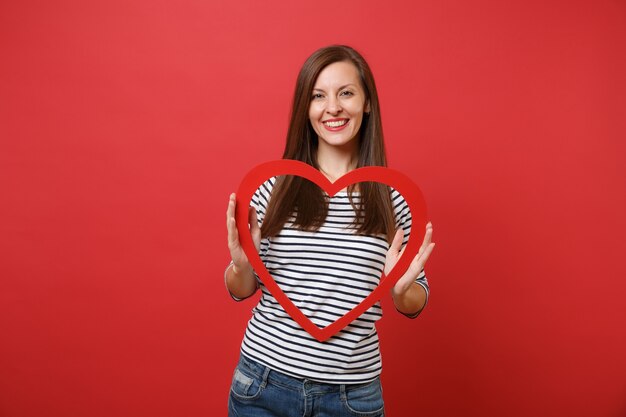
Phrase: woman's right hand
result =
(240, 260)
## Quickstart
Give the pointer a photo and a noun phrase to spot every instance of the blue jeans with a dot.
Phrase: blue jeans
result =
(258, 391)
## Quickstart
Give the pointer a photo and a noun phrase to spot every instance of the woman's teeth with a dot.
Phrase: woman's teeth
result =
(336, 124)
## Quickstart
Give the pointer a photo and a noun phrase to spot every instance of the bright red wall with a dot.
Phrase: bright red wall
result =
(124, 126)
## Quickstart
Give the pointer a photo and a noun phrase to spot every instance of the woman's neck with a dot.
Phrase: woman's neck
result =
(335, 161)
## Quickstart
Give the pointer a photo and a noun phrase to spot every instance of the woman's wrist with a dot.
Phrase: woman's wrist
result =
(400, 290)
(240, 283)
(241, 269)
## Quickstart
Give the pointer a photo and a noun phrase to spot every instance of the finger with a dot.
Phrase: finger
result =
(428, 234)
(427, 239)
(397, 241)
(420, 260)
(429, 228)
(252, 218)
(233, 234)
(255, 230)
(231, 205)
(230, 211)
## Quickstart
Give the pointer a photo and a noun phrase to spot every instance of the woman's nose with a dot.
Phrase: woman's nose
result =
(333, 106)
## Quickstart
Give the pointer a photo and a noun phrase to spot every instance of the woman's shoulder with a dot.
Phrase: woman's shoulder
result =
(396, 198)
(261, 196)
(266, 187)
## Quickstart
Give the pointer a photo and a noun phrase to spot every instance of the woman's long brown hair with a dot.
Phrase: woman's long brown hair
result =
(297, 196)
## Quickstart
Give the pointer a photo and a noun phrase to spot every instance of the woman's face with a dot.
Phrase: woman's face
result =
(337, 104)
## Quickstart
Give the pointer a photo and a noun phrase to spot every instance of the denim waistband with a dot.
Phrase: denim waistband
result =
(290, 382)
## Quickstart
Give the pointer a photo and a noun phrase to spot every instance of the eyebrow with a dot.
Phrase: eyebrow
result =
(340, 88)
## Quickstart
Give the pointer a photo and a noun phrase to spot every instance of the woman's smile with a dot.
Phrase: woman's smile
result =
(335, 125)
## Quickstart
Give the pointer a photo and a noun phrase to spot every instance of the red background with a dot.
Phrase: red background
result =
(124, 126)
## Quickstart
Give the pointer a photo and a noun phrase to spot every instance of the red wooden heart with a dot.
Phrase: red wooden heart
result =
(259, 174)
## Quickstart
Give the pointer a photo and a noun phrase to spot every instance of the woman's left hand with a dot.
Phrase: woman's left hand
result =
(416, 266)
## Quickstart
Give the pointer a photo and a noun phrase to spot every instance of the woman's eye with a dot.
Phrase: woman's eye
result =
(347, 93)
(318, 95)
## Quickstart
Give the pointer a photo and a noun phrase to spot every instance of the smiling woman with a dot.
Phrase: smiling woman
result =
(325, 252)
(335, 84)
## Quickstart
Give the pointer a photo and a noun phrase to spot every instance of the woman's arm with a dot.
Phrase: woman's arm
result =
(409, 296)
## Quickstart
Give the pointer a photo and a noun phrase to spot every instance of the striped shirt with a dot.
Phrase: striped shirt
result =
(325, 274)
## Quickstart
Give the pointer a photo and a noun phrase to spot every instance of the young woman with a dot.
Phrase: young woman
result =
(326, 253)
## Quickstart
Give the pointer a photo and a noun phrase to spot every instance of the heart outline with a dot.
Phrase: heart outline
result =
(400, 182)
